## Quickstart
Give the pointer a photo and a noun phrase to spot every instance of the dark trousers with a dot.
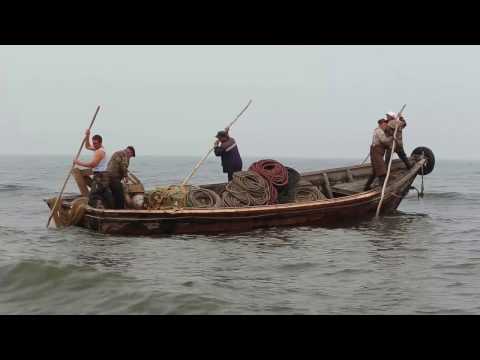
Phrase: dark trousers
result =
(100, 191)
(230, 174)
(377, 153)
(118, 193)
(401, 154)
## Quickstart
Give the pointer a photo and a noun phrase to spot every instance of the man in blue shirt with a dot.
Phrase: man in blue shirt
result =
(226, 147)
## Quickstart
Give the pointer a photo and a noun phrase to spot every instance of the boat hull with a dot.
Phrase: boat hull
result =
(234, 220)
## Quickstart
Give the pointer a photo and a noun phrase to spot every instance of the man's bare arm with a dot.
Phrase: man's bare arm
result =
(88, 145)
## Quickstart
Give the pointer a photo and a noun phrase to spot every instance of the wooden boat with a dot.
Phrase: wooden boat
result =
(346, 200)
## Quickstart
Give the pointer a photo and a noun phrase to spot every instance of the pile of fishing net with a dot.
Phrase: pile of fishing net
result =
(177, 196)
(72, 216)
(164, 197)
(306, 191)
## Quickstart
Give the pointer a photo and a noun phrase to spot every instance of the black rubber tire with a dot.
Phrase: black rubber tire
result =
(430, 165)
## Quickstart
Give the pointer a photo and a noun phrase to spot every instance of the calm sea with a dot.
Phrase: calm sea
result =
(423, 259)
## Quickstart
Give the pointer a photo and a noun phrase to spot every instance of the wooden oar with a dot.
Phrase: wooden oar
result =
(390, 162)
(58, 201)
(187, 179)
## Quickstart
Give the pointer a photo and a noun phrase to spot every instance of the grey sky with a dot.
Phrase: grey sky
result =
(308, 101)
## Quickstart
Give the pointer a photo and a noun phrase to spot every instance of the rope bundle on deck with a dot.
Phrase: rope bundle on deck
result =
(272, 171)
(246, 189)
(306, 191)
(203, 198)
(266, 182)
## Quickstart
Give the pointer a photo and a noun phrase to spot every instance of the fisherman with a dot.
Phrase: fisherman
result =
(118, 170)
(380, 143)
(100, 190)
(226, 147)
(392, 120)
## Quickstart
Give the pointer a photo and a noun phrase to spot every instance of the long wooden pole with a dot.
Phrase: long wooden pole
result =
(389, 162)
(187, 179)
(58, 201)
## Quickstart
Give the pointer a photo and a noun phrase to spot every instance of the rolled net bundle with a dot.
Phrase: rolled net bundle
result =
(167, 197)
(72, 216)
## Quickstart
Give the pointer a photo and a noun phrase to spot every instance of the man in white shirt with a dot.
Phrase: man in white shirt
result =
(100, 193)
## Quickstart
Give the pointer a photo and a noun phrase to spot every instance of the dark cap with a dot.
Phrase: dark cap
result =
(381, 121)
(220, 134)
(132, 149)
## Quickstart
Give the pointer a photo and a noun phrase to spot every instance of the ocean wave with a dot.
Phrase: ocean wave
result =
(45, 287)
(298, 266)
(13, 187)
(8, 188)
(348, 271)
(451, 195)
(7, 230)
(29, 273)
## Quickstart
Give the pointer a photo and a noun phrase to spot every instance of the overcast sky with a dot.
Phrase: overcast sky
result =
(308, 101)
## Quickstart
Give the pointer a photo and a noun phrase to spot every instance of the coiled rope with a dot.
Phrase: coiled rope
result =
(247, 188)
(306, 191)
(203, 198)
(272, 171)
(177, 196)
(275, 173)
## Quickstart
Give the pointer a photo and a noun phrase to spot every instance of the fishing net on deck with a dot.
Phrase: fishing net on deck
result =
(73, 215)
(203, 198)
(306, 191)
(164, 197)
(247, 188)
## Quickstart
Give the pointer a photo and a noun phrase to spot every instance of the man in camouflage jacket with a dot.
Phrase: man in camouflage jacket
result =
(118, 170)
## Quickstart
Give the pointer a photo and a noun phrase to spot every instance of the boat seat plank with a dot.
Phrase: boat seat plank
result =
(350, 188)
